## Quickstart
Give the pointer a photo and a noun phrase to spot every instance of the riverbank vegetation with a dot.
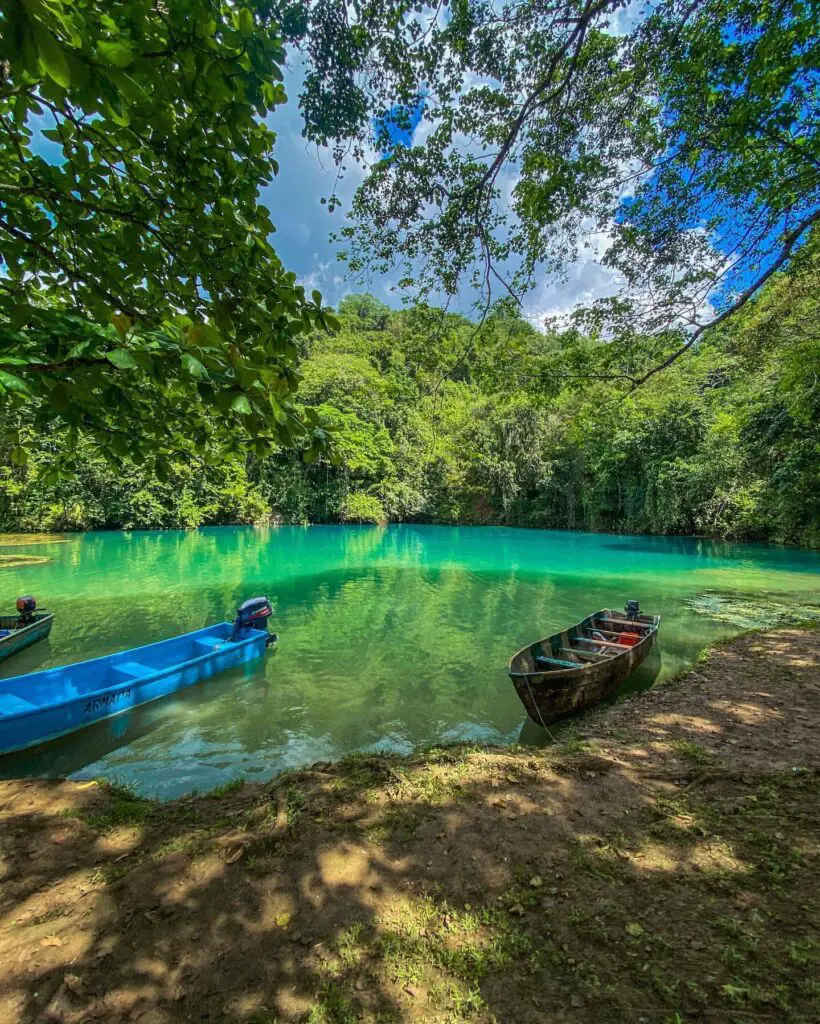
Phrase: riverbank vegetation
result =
(659, 863)
(436, 420)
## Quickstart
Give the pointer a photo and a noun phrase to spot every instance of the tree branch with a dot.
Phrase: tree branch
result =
(789, 242)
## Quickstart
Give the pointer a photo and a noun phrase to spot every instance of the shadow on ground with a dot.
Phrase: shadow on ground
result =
(660, 865)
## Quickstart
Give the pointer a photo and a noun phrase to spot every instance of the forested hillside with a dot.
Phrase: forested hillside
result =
(438, 421)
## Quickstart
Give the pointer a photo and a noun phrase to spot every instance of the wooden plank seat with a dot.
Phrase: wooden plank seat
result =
(626, 622)
(602, 643)
(591, 655)
(12, 705)
(542, 661)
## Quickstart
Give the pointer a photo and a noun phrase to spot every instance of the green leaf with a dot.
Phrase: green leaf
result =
(634, 929)
(242, 405)
(19, 456)
(51, 56)
(317, 296)
(193, 366)
(20, 314)
(78, 349)
(245, 21)
(122, 359)
(122, 323)
(116, 52)
(12, 383)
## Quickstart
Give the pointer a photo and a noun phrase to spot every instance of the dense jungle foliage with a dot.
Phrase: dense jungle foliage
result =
(438, 421)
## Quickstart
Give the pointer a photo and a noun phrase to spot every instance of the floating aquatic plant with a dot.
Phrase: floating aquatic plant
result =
(751, 612)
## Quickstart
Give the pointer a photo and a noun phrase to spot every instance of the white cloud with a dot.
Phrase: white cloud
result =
(303, 226)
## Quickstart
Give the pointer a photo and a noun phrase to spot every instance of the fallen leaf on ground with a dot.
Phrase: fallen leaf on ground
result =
(51, 940)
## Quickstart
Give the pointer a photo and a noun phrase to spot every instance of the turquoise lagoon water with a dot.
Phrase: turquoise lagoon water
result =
(391, 638)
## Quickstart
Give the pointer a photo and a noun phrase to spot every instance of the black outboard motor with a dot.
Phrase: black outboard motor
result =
(632, 609)
(254, 614)
(26, 610)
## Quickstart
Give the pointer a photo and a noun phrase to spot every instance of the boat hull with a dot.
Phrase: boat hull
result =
(19, 639)
(551, 696)
(22, 727)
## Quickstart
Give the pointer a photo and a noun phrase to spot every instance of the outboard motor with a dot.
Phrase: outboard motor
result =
(632, 609)
(26, 610)
(254, 614)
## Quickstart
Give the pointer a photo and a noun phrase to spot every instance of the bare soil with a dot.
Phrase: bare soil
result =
(658, 864)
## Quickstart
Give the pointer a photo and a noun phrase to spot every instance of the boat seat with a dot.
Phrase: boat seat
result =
(207, 644)
(541, 660)
(592, 655)
(11, 705)
(603, 643)
(627, 622)
(131, 670)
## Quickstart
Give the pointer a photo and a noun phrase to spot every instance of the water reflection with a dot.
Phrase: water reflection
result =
(390, 637)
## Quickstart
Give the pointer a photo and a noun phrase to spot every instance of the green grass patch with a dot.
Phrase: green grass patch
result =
(333, 1006)
(694, 753)
(225, 788)
(123, 808)
(421, 934)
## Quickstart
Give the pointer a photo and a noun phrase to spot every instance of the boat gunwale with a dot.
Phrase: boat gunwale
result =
(21, 630)
(651, 626)
(150, 676)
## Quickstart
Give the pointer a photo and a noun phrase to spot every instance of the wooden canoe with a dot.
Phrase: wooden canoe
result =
(18, 637)
(580, 666)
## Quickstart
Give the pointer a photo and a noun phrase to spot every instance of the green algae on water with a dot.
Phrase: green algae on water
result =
(18, 561)
(752, 612)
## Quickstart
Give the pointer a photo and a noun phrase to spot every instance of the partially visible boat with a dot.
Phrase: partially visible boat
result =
(580, 666)
(44, 705)
(25, 628)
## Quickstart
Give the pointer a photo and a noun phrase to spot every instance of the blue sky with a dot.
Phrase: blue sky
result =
(303, 224)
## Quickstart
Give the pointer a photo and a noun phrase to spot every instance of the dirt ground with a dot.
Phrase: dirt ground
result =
(657, 864)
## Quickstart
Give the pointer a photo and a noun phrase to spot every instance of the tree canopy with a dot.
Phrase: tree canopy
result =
(142, 303)
(688, 143)
(143, 307)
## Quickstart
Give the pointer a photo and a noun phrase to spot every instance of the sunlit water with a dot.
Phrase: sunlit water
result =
(391, 638)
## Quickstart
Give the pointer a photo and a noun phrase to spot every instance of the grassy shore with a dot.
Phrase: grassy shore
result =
(658, 865)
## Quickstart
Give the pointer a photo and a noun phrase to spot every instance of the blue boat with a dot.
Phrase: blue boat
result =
(44, 705)
(25, 628)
